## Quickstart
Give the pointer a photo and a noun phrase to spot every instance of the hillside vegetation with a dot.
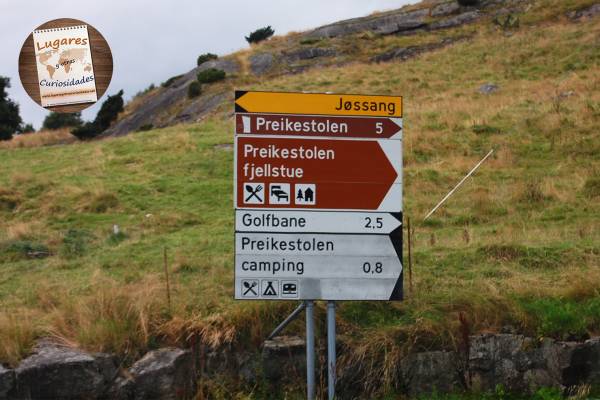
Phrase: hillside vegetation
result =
(518, 247)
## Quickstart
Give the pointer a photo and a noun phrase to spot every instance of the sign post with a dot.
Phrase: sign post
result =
(318, 199)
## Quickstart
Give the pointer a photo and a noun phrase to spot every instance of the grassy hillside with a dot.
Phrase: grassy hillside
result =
(518, 246)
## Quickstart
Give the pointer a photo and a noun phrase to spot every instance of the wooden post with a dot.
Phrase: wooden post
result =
(410, 281)
(167, 279)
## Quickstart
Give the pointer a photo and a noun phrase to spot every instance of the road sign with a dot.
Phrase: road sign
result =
(318, 196)
(318, 125)
(316, 221)
(308, 244)
(318, 104)
(322, 173)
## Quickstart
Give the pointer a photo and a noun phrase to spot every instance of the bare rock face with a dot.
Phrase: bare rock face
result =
(429, 372)
(386, 23)
(460, 19)
(62, 373)
(164, 374)
(166, 98)
(261, 63)
(447, 8)
(284, 356)
(585, 13)
(7, 381)
(309, 54)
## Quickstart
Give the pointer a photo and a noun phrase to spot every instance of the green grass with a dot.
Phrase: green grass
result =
(517, 245)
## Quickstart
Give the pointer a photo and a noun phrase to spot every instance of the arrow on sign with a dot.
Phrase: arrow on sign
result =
(340, 174)
(318, 104)
(324, 126)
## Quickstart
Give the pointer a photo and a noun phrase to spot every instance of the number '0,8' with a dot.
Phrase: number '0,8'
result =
(376, 268)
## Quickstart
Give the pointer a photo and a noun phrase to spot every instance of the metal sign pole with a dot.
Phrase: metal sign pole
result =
(331, 349)
(310, 350)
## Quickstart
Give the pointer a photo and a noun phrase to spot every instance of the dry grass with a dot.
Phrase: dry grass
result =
(39, 139)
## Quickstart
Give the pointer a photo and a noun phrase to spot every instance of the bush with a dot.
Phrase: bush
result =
(468, 2)
(145, 127)
(170, 81)
(194, 89)
(211, 75)
(108, 113)
(27, 128)
(260, 34)
(202, 58)
(10, 120)
(56, 120)
(591, 188)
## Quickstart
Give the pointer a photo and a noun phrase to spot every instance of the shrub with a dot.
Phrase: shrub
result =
(260, 34)
(75, 243)
(468, 2)
(194, 89)
(211, 75)
(56, 120)
(108, 113)
(170, 81)
(591, 188)
(145, 127)
(10, 120)
(202, 58)
(27, 128)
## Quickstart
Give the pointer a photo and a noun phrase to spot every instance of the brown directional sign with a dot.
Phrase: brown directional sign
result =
(318, 125)
(318, 173)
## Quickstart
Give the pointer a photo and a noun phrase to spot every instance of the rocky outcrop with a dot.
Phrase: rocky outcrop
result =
(58, 372)
(166, 374)
(284, 356)
(7, 381)
(518, 363)
(309, 54)
(406, 53)
(261, 63)
(386, 23)
(154, 106)
(429, 372)
(584, 13)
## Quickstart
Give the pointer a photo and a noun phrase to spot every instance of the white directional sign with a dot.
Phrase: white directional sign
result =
(318, 196)
(316, 221)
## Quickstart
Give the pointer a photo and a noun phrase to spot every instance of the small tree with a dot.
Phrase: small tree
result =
(10, 120)
(260, 34)
(194, 89)
(27, 128)
(211, 75)
(202, 58)
(467, 3)
(108, 113)
(56, 120)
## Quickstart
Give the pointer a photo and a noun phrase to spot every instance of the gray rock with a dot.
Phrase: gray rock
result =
(461, 19)
(585, 13)
(164, 374)
(121, 389)
(488, 88)
(60, 372)
(309, 53)
(592, 349)
(199, 108)
(384, 23)
(405, 53)
(568, 363)
(446, 8)
(429, 372)
(157, 105)
(7, 381)
(261, 63)
(283, 356)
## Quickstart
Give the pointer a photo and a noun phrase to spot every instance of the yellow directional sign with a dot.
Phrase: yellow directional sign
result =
(318, 104)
